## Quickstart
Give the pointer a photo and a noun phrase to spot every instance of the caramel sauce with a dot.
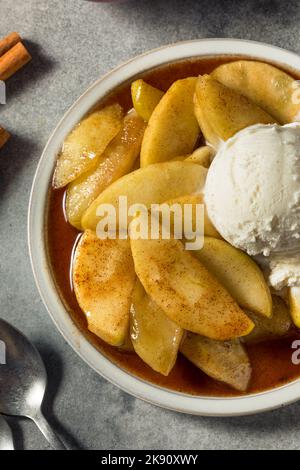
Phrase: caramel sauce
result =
(271, 361)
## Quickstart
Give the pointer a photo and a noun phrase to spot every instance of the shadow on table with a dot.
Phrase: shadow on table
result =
(18, 150)
(16, 429)
(13, 156)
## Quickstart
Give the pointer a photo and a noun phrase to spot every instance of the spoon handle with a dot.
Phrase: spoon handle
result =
(48, 432)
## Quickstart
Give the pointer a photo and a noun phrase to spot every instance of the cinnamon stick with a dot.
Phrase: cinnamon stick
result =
(4, 136)
(8, 42)
(13, 60)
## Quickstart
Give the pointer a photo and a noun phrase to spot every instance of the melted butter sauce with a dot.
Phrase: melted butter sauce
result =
(271, 361)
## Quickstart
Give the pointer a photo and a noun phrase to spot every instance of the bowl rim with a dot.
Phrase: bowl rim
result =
(169, 399)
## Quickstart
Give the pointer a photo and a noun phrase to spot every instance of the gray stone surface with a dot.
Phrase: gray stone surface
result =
(73, 42)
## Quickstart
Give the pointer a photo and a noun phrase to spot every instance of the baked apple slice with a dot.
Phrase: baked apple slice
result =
(85, 144)
(193, 199)
(269, 328)
(116, 161)
(202, 155)
(154, 336)
(103, 280)
(145, 98)
(269, 87)
(186, 291)
(172, 128)
(294, 300)
(238, 273)
(153, 184)
(222, 112)
(207, 130)
(226, 361)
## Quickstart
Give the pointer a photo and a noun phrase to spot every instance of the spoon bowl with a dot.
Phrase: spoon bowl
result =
(23, 381)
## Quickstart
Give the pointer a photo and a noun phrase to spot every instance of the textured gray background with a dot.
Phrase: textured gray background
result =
(73, 42)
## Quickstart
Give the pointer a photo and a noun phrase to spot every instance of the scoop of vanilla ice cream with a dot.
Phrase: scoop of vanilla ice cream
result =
(252, 194)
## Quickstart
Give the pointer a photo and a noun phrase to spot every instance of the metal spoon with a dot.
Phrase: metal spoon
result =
(6, 439)
(23, 380)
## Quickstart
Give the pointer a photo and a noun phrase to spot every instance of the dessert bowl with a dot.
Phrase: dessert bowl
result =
(158, 395)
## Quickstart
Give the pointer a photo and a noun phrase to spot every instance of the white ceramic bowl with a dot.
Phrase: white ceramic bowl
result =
(159, 396)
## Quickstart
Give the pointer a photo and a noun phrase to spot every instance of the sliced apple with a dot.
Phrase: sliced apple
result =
(103, 279)
(267, 86)
(186, 291)
(209, 229)
(180, 158)
(268, 328)
(116, 161)
(85, 144)
(226, 361)
(225, 111)
(294, 300)
(172, 129)
(207, 130)
(238, 273)
(202, 155)
(154, 184)
(145, 98)
(154, 336)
